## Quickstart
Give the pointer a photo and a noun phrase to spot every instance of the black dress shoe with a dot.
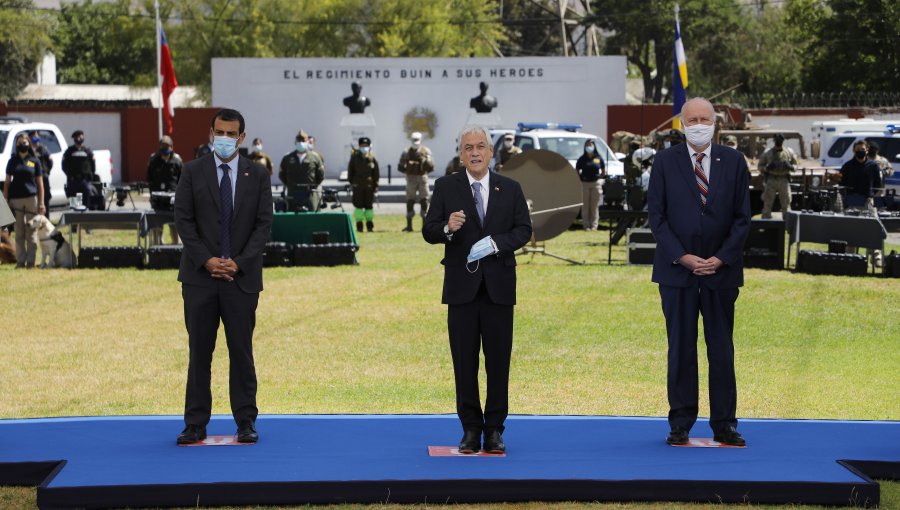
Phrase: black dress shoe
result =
(730, 436)
(493, 442)
(192, 434)
(470, 442)
(246, 433)
(677, 436)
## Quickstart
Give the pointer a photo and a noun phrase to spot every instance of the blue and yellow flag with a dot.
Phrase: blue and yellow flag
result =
(680, 76)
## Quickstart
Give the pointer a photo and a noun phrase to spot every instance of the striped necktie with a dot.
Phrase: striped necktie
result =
(702, 181)
(227, 210)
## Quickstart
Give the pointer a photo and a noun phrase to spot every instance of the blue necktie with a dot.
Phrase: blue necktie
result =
(227, 210)
(476, 186)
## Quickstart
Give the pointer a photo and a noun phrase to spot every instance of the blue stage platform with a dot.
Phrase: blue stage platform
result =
(133, 461)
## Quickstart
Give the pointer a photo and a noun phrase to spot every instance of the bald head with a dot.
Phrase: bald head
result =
(698, 105)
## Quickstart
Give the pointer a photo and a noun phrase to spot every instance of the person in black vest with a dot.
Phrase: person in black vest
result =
(164, 168)
(80, 168)
(24, 191)
(43, 156)
(590, 168)
(861, 176)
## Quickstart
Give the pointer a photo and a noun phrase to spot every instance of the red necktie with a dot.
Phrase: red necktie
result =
(702, 182)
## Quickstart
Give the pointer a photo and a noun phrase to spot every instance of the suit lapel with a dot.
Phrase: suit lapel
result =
(212, 181)
(243, 174)
(715, 173)
(493, 197)
(686, 169)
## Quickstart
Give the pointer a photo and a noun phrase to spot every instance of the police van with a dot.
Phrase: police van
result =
(840, 149)
(563, 139)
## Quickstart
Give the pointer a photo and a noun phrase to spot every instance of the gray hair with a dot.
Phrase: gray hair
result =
(470, 129)
(702, 100)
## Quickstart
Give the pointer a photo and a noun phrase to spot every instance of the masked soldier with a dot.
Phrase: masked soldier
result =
(164, 168)
(363, 174)
(416, 163)
(775, 165)
(507, 151)
(259, 157)
(302, 171)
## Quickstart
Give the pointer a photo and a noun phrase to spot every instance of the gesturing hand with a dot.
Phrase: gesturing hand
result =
(456, 221)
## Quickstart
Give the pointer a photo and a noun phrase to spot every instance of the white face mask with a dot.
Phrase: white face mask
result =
(699, 135)
(257, 148)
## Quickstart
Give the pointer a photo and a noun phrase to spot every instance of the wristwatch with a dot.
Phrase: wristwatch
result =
(447, 231)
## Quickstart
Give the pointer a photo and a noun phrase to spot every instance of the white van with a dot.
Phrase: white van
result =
(888, 140)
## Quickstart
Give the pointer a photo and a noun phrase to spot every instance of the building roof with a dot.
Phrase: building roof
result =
(104, 95)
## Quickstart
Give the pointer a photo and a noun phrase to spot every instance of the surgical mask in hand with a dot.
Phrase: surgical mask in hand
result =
(480, 250)
(224, 146)
(699, 135)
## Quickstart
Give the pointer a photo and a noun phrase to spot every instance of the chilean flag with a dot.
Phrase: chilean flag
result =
(167, 71)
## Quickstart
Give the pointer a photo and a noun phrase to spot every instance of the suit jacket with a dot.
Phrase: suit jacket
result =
(682, 225)
(506, 220)
(198, 215)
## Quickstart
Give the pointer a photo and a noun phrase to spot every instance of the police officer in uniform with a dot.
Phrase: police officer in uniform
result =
(43, 156)
(363, 174)
(775, 165)
(79, 166)
(164, 168)
(302, 171)
(507, 150)
(416, 163)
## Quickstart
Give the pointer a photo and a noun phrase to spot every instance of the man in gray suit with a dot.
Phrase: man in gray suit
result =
(223, 213)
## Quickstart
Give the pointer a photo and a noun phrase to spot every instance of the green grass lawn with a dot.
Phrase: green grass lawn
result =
(372, 339)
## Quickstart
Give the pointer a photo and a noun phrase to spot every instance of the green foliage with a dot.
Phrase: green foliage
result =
(855, 44)
(24, 39)
(772, 52)
(106, 43)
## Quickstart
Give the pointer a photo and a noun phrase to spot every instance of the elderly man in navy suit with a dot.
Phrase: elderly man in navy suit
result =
(223, 213)
(482, 219)
(699, 209)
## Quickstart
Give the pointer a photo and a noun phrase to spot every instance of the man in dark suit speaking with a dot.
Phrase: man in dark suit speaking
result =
(482, 219)
(699, 209)
(223, 213)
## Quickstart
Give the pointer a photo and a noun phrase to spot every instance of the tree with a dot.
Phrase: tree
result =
(107, 43)
(24, 40)
(644, 31)
(773, 49)
(854, 44)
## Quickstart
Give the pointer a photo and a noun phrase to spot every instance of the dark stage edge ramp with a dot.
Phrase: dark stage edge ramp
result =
(126, 461)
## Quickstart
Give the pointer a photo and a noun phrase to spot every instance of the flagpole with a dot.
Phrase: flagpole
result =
(158, 68)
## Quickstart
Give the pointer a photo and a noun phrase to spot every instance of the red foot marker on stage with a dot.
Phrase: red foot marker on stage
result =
(705, 442)
(218, 441)
(452, 451)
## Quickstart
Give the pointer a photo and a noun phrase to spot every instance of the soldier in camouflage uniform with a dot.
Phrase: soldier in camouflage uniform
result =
(416, 163)
(302, 171)
(775, 165)
(507, 151)
(363, 174)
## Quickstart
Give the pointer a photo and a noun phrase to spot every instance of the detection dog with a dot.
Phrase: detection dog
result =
(55, 250)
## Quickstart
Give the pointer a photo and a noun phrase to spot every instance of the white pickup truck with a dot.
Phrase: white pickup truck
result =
(53, 139)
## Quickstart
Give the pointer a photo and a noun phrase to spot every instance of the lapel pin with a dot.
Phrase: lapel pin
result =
(496, 188)
(248, 175)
